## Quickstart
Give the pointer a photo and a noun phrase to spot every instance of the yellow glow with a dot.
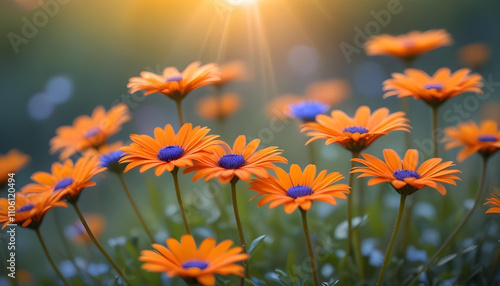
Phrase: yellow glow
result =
(241, 2)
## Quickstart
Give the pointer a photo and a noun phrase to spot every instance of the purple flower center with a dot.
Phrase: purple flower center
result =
(111, 158)
(92, 132)
(25, 208)
(231, 161)
(403, 174)
(176, 78)
(170, 153)
(436, 86)
(487, 138)
(356, 129)
(194, 263)
(307, 110)
(63, 184)
(299, 191)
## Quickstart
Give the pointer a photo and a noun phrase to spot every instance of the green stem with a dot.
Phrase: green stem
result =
(353, 235)
(309, 246)
(134, 206)
(37, 230)
(393, 239)
(434, 129)
(99, 246)
(240, 228)
(460, 225)
(179, 199)
(178, 104)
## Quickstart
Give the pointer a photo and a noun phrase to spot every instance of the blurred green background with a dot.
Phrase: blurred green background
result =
(61, 59)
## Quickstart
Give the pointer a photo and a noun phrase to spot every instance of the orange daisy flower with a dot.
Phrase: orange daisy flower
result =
(403, 175)
(173, 83)
(66, 178)
(484, 139)
(192, 263)
(11, 162)
(434, 90)
(299, 189)
(494, 201)
(231, 71)
(168, 150)
(96, 223)
(355, 133)
(407, 46)
(474, 55)
(89, 132)
(241, 161)
(29, 209)
(218, 107)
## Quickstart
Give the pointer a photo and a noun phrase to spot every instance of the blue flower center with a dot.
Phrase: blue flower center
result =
(110, 158)
(436, 86)
(194, 263)
(25, 208)
(356, 129)
(403, 174)
(307, 110)
(487, 138)
(170, 153)
(92, 132)
(176, 78)
(299, 191)
(231, 161)
(63, 184)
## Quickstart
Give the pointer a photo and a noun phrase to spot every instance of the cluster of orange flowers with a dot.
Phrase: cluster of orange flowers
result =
(194, 149)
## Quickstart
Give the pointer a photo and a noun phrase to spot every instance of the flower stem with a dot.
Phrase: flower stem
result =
(37, 230)
(353, 235)
(179, 199)
(178, 104)
(99, 246)
(240, 228)
(434, 129)
(393, 239)
(309, 247)
(459, 227)
(134, 206)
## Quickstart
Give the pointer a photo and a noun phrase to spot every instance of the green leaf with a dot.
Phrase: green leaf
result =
(284, 278)
(249, 282)
(255, 243)
(446, 259)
